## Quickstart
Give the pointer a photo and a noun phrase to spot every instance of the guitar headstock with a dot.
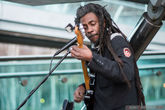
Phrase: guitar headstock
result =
(80, 32)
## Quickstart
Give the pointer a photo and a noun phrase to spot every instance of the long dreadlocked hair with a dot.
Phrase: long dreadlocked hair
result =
(104, 40)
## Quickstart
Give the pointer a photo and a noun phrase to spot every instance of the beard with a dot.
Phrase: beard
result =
(96, 43)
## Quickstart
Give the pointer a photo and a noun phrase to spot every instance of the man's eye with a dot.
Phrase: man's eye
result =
(85, 28)
(93, 23)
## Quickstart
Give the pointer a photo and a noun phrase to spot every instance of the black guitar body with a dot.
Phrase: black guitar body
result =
(89, 96)
(89, 103)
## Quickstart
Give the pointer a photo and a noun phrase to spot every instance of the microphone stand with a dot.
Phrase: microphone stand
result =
(46, 77)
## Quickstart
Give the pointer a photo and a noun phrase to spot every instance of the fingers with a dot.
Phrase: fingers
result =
(83, 53)
(76, 52)
(79, 94)
(77, 49)
(78, 97)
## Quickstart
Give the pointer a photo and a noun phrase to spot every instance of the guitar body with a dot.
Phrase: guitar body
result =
(89, 102)
(89, 96)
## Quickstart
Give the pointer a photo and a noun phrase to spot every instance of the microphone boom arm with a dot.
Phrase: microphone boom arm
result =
(46, 77)
(147, 27)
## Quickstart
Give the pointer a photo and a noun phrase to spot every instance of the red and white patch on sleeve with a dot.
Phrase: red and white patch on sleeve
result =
(127, 52)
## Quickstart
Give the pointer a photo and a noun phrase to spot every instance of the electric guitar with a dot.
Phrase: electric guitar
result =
(80, 32)
(89, 78)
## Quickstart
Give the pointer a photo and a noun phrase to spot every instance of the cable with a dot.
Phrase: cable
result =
(46, 77)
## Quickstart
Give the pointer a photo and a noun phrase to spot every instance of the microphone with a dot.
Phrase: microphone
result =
(70, 28)
(70, 43)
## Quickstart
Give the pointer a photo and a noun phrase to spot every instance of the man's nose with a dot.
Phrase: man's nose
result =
(90, 30)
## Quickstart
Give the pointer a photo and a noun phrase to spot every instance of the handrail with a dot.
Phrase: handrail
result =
(46, 57)
(40, 73)
(29, 57)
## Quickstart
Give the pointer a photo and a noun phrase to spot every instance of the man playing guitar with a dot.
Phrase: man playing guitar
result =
(117, 81)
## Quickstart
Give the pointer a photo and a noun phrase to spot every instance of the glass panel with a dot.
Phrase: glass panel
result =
(50, 96)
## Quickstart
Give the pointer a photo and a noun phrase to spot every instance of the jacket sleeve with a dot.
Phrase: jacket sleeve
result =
(109, 68)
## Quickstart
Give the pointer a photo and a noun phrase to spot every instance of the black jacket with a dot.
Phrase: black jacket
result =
(111, 91)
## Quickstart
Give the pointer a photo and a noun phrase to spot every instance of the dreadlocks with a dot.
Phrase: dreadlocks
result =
(104, 40)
